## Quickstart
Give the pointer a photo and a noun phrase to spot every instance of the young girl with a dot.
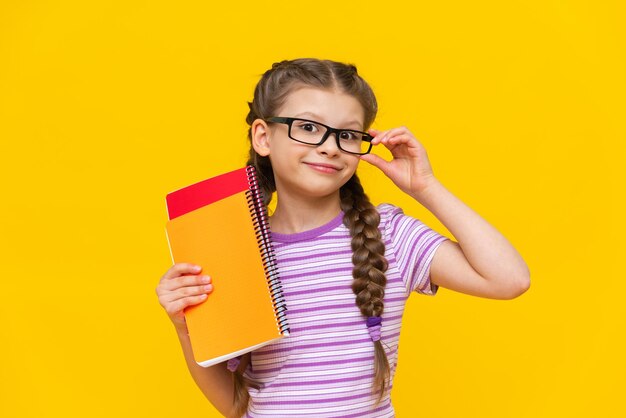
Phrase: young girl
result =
(347, 267)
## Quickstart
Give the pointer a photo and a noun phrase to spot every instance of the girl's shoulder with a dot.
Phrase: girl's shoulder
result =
(387, 211)
(389, 216)
(393, 220)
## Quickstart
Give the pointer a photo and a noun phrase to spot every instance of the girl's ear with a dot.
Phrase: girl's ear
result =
(260, 134)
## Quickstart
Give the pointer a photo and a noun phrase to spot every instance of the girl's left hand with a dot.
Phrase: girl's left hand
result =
(409, 169)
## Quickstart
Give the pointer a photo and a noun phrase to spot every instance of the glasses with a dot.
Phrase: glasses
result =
(315, 133)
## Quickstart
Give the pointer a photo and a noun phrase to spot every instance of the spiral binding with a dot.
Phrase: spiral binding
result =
(262, 231)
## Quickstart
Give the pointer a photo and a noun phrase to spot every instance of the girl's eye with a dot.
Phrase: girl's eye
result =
(308, 127)
(348, 135)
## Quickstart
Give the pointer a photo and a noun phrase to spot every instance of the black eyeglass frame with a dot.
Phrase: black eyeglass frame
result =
(329, 131)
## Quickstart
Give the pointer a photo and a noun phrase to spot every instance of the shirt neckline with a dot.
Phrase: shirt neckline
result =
(311, 233)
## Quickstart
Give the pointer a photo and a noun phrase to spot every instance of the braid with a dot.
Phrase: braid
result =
(370, 264)
(241, 383)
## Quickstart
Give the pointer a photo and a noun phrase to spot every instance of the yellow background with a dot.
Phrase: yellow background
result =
(106, 106)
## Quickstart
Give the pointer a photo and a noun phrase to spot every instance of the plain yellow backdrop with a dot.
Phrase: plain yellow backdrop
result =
(107, 106)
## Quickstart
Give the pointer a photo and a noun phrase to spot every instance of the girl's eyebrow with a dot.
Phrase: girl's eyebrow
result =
(318, 118)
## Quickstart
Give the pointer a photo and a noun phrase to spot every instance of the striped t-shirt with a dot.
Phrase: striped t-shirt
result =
(325, 368)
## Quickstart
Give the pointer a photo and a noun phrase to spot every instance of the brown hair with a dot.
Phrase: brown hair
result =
(360, 216)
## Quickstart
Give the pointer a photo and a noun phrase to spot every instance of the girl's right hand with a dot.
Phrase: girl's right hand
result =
(182, 286)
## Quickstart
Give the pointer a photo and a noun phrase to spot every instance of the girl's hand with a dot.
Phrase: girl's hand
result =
(409, 169)
(182, 286)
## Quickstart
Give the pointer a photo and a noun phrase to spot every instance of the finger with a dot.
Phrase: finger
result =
(378, 136)
(183, 281)
(180, 269)
(185, 292)
(383, 136)
(400, 138)
(402, 130)
(179, 305)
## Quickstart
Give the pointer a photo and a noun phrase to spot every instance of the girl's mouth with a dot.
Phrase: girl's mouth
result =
(323, 168)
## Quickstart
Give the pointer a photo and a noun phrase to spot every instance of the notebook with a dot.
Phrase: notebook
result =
(221, 224)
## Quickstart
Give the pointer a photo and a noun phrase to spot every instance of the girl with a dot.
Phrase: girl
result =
(346, 266)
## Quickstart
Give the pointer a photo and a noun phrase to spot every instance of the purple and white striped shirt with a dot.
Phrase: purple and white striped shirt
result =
(325, 368)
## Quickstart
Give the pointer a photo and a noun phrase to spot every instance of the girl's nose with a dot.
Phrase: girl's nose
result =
(329, 146)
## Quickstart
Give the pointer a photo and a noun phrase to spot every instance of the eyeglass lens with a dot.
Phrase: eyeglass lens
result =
(312, 133)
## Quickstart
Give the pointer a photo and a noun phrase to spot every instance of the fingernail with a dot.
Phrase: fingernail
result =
(196, 268)
(206, 279)
(208, 287)
(203, 296)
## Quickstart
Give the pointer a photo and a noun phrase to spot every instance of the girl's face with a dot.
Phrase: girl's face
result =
(308, 170)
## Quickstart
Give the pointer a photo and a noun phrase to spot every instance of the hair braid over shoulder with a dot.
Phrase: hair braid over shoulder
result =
(370, 264)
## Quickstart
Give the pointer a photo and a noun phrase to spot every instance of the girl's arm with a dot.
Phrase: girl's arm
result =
(482, 263)
(182, 286)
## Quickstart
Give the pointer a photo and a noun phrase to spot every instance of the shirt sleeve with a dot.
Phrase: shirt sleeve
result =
(413, 244)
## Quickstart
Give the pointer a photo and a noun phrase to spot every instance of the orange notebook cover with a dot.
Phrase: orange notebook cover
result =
(221, 225)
